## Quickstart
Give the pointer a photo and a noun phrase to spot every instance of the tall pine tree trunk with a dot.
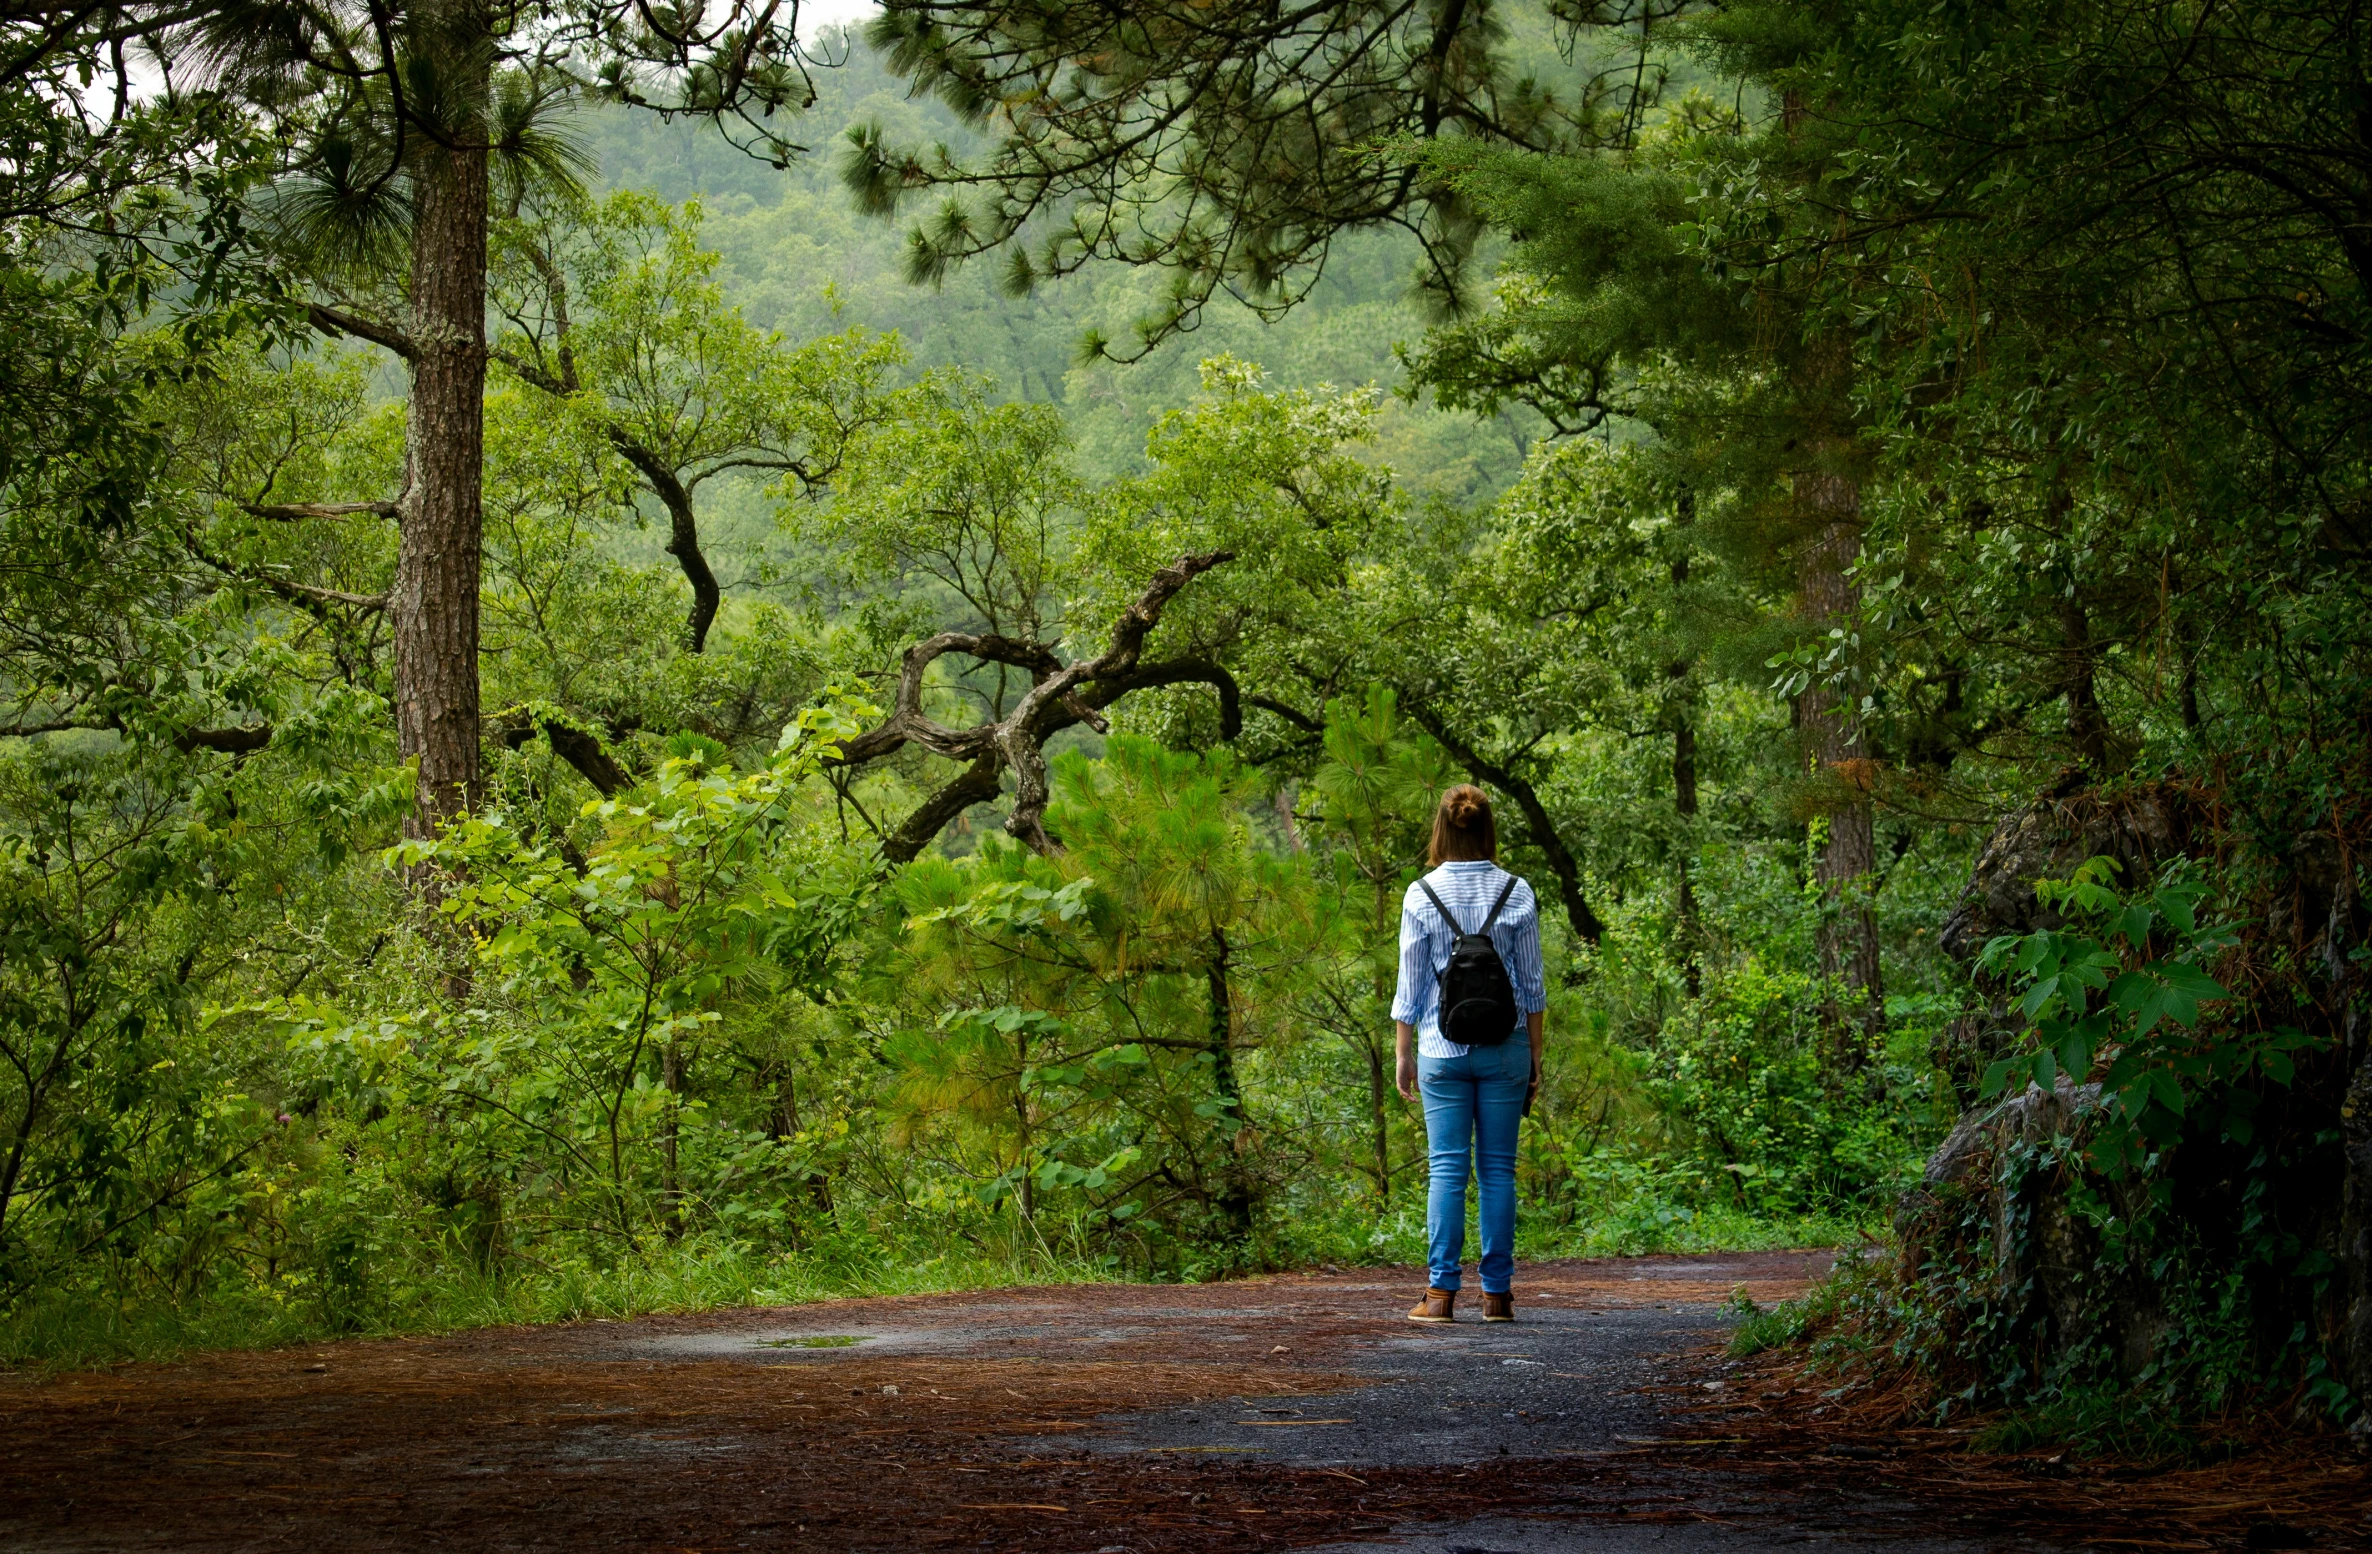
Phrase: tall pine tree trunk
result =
(1831, 725)
(435, 605)
(1682, 693)
(1233, 1201)
(2087, 729)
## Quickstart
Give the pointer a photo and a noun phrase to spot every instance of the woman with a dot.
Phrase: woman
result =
(1475, 1096)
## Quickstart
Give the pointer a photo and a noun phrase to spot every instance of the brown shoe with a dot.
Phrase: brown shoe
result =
(1498, 1308)
(1435, 1307)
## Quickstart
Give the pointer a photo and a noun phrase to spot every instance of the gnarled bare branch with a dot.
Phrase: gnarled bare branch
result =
(977, 784)
(1059, 696)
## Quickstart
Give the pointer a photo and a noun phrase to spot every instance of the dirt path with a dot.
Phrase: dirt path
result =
(1295, 1411)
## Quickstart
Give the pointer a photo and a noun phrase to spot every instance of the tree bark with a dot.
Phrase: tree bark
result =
(2355, 1216)
(787, 1127)
(1382, 928)
(1831, 725)
(978, 783)
(435, 602)
(1684, 804)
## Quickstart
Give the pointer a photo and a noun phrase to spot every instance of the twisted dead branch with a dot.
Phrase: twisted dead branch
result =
(1060, 695)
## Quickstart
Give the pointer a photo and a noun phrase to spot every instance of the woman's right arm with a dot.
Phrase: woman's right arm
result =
(1408, 1000)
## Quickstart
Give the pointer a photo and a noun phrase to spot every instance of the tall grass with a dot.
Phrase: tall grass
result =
(434, 1290)
(71, 1329)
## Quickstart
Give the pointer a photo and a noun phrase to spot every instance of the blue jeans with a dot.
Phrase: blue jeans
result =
(1473, 1107)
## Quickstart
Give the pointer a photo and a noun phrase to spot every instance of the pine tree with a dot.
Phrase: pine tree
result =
(402, 116)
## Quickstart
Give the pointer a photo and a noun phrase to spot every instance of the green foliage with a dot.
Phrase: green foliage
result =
(594, 990)
(422, 1291)
(1788, 1322)
(2127, 979)
(1113, 1002)
(959, 506)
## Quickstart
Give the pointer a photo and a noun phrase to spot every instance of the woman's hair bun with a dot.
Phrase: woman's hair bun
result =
(1463, 827)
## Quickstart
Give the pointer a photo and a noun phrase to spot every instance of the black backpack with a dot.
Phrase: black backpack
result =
(1477, 999)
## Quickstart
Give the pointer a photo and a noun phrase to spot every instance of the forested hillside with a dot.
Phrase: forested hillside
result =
(798, 256)
(648, 668)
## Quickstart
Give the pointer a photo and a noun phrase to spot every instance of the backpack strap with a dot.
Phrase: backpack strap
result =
(1505, 891)
(1447, 915)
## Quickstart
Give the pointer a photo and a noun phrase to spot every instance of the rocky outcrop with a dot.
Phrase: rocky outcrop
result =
(2046, 840)
(2140, 828)
(2007, 1197)
(2011, 1217)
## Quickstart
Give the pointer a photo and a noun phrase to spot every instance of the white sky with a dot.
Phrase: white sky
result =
(816, 14)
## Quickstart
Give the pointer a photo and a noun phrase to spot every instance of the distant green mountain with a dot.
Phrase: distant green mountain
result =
(799, 257)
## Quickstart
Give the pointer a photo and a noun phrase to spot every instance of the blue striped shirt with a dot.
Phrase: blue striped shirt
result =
(1468, 889)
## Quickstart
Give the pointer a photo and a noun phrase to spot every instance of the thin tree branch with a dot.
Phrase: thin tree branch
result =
(338, 323)
(1536, 817)
(295, 512)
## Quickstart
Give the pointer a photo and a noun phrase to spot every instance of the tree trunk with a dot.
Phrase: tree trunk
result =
(671, 1188)
(1234, 1201)
(1831, 724)
(435, 603)
(1383, 929)
(2355, 1218)
(1684, 770)
(2087, 731)
(1684, 804)
(787, 1127)
(37, 1086)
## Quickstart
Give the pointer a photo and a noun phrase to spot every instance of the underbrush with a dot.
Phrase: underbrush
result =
(1642, 1229)
(1638, 1226)
(2100, 1421)
(1889, 1352)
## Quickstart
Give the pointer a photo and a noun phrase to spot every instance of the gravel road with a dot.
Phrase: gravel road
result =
(1296, 1411)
